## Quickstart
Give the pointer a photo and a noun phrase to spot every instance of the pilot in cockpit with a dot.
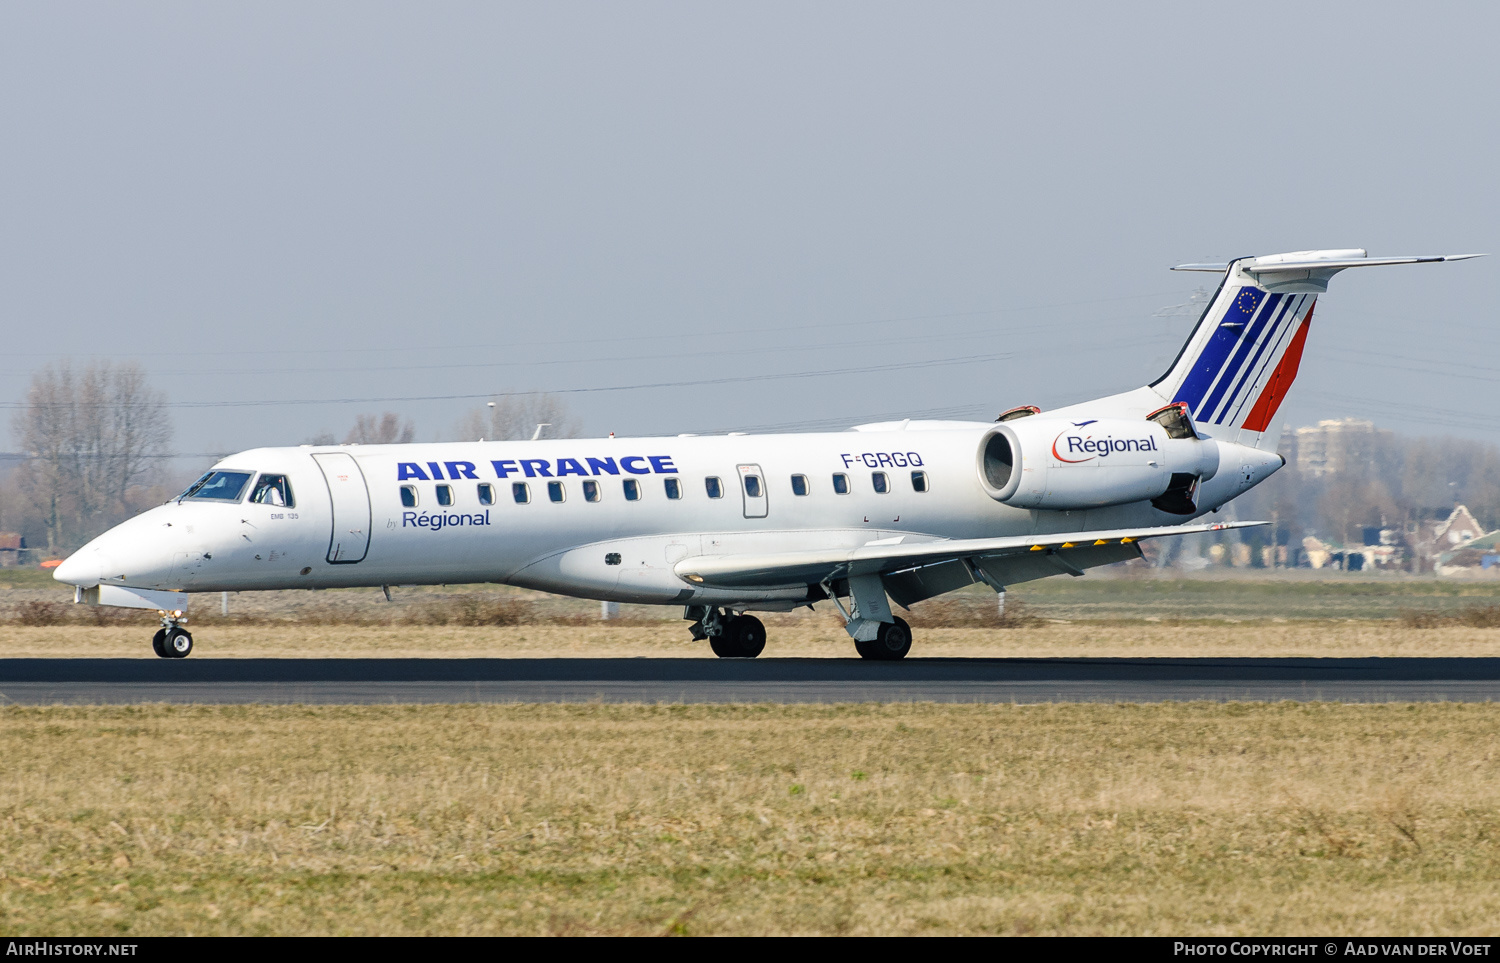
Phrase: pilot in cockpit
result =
(272, 490)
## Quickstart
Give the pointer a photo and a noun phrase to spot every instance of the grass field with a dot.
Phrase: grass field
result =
(880, 819)
(1161, 819)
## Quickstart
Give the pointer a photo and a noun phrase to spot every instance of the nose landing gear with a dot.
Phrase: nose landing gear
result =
(172, 641)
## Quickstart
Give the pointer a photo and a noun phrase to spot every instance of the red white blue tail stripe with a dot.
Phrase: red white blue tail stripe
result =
(1242, 357)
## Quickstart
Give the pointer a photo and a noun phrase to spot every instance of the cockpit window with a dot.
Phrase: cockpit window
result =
(272, 490)
(220, 486)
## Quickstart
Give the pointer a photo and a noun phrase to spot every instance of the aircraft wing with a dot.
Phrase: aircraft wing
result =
(914, 570)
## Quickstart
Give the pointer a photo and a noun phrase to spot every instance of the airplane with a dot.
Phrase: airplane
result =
(727, 525)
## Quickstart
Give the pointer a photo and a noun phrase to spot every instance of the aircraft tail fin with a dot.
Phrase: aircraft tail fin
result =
(1242, 357)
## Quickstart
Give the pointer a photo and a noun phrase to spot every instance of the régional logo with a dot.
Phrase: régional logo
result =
(1090, 447)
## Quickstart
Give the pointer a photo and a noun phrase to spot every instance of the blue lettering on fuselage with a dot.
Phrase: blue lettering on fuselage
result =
(562, 467)
(436, 522)
(883, 459)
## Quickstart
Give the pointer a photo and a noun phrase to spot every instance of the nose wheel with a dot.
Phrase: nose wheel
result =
(172, 641)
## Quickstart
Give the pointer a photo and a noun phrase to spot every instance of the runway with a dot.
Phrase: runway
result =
(384, 681)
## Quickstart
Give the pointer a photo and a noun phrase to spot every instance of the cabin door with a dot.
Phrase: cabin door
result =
(351, 507)
(753, 485)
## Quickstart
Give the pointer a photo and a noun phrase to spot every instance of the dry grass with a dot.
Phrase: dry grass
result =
(807, 638)
(1475, 617)
(1162, 819)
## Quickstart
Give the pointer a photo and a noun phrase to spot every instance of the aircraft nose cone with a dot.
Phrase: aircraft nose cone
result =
(81, 568)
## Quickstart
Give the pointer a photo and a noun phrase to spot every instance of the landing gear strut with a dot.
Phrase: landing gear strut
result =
(877, 633)
(172, 641)
(730, 636)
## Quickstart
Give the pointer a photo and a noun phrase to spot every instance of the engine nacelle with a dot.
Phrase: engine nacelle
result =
(1067, 465)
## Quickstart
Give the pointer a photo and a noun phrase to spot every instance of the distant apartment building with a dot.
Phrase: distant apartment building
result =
(1332, 446)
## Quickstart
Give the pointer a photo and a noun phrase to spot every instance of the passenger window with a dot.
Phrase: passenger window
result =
(445, 494)
(714, 486)
(752, 486)
(674, 488)
(799, 484)
(591, 491)
(555, 491)
(881, 483)
(521, 492)
(272, 490)
(408, 496)
(632, 490)
(840, 484)
(486, 494)
(919, 481)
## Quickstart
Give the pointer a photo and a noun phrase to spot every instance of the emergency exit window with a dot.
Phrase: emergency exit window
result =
(752, 486)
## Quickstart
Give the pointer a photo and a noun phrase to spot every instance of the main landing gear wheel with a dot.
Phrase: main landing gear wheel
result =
(743, 637)
(178, 643)
(892, 642)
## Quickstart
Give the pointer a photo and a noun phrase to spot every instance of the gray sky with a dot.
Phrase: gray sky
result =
(948, 209)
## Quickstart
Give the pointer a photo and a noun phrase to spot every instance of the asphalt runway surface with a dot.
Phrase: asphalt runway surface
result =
(384, 681)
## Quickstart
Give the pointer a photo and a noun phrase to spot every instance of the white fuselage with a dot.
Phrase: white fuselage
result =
(347, 524)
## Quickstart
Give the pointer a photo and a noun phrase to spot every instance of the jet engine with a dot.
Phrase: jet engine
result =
(1067, 465)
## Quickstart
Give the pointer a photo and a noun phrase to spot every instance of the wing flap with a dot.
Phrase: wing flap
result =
(814, 567)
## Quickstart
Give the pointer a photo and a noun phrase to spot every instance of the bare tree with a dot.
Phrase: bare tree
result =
(388, 429)
(91, 436)
(516, 416)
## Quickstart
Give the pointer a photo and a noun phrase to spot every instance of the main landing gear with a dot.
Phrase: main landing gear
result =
(730, 636)
(892, 641)
(172, 641)
(878, 634)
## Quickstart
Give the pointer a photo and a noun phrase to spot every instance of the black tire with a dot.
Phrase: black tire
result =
(743, 637)
(159, 643)
(178, 644)
(750, 636)
(892, 642)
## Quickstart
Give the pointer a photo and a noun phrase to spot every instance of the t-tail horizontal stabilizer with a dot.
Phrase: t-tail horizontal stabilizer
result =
(1242, 357)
